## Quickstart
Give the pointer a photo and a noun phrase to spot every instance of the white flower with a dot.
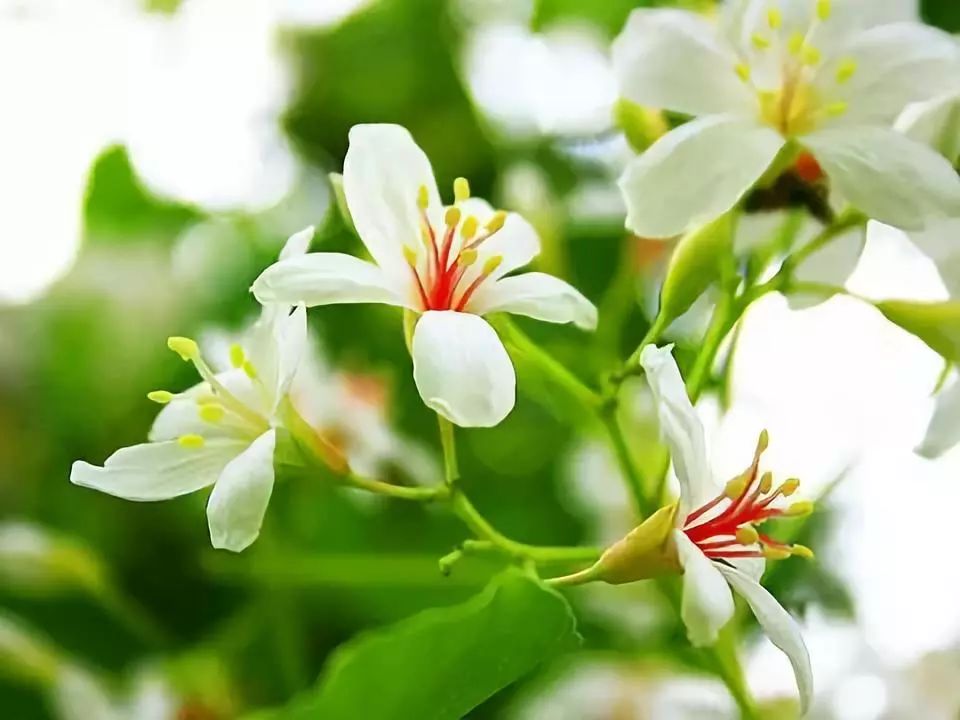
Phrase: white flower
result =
(448, 263)
(717, 543)
(804, 72)
(221, 432)
(79, 695)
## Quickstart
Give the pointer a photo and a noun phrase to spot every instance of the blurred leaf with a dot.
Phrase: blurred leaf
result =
(937, 324)
(442, 663)
(942, 13)
(697, 262)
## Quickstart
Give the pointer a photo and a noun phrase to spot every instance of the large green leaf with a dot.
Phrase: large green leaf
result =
(937, 324)
(442, 663)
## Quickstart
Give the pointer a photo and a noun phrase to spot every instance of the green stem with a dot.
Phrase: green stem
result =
(644, 505)
(448, 442)
(848, 220)
(725, 316)
(402, 492)
(632, 364)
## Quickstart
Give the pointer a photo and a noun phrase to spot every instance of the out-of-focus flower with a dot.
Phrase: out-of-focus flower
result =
(80, 695)
(773, 78)
(446, 263)
(221, 432)
(24, 654)
(35, 560)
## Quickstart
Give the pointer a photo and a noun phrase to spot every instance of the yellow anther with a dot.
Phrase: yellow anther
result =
(496, 222)
(212, 413)
(775, 553)
(747, 535)
(774, 18)
(160, 396)
(824, 8)
(492, 264)
(469, 227)
(452, 216)
(799, 509)
(846, 70)
(735, 488)
(743, 71)
(789, 487)
(184, 347)
(237, 356)
(810, 55)
(425, 237)
(410, 255)
(423, 197)
(836, 109)
(802, 551)
(191, 441)
(467, 258)
(461, 189)
(766, 482)
(763, 442)
(760, 42)
(249, 370)
(795, 43)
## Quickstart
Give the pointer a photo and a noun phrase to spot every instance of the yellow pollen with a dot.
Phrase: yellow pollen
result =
(423, 197)
(469, 227)
(184, 347)
(452, 217)
(410, 255)
(766, 482)
(836, 109)
(193, 442)
(846, 70)
(237, 356)
(789, 487)
(467, 258)
(492, 264)
(810, 55)
(824, 8)
(212, 413)
(496, 222)
(250, 370)
(747, 535)
(802, 551)
(774, 18)
(795, 43)
(735, 488)
(160, 396)
(461, 189)
(759, 41)
(799, 509)
(774, 553)
(743, 71)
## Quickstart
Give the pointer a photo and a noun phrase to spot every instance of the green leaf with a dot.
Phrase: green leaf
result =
(442, 663)
(937, 324)
(698, 260)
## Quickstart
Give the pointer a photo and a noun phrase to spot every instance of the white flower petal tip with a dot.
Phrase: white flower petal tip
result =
(298, 243)
(540, 296)
(462, 370)
(240, 497)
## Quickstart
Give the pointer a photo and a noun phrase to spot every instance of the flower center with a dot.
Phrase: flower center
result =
(725, 527)
(781, 69)
(444, 265)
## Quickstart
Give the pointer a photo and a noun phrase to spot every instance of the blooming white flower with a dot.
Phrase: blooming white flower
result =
(79, 695)
(447, 263)
(717, 544)
(221, 432)
(801, 74)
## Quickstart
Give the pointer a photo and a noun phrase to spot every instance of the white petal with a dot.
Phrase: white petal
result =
(275, 346)
(680, 427)
(297, 244)
(539, 296)
(674, 60)
(462, 369)
(935, 123)
(707, 603)
(831, 265)
(239, 499)
(940, 241)
(78, 695)
(695, 173)
(517, 243)
(326, 279)
(943, 433)
(896, 65)
(782, 629)
(887, 176)
(382, 174)
(158, 471)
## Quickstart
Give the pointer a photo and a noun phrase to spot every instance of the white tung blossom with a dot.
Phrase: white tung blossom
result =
(773, 77)
(221, 432)
(718, 546)
(449, 264)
